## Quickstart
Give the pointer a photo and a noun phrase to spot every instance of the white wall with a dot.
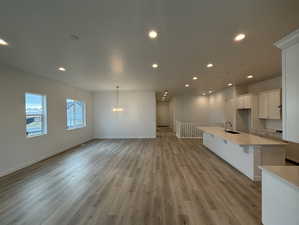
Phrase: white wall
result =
(211, 110)
(18, 151)
(163, 114)
(172, 113)
(222, 107)
(138, 120)
(192, 108)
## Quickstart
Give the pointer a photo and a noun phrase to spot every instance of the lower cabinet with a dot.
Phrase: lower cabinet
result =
(246, 159)
(280, 201)
(242, 158)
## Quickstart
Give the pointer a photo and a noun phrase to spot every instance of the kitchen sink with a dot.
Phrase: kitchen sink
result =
(232, 132)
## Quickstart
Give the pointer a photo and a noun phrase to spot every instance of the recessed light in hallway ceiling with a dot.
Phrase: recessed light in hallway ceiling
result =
(187, 85)
(229, 84)
(153, 34)
(3, 42)
(195, 78)
(249, 76)
(239, 37)
(210, 65)
(155, 65)
(62, 69)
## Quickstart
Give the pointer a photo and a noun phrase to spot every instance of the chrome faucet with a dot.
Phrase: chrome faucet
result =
(228, 123)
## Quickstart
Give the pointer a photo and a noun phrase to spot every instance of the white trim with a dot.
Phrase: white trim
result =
(32, 162)
(125, 137)
(24, 165)
(190, 137)
(76, 127)
(288, 41)
(35, 136)
(283, 94)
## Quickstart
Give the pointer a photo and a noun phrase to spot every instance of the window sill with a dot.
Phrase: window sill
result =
(75, 128)
(35, 136)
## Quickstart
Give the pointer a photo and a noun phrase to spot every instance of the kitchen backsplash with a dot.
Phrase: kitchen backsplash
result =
(271, 133)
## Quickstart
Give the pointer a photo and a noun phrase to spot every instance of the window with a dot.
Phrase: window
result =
(75, 113)
(36, 114)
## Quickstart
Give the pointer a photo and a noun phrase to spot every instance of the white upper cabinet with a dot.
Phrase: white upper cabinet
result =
(290, 86)
(274, 104)
(245, 101)
(263, 105)
(270, 105)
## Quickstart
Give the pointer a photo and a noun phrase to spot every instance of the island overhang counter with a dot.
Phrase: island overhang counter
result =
(245, 152)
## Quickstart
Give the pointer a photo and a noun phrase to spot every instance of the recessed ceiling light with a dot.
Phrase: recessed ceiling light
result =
(62, 69)
(210, 91)
(229, 84)
(155, 65)
(204, 94)
(240, 37)
(187, 85)
(210, 65)
(195, 78)
(152, 34)
(249, 76)
(3, 42)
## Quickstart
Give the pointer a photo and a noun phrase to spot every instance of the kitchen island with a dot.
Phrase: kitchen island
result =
(245, 152)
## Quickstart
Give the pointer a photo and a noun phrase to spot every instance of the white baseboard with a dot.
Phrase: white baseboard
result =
(109, 137)
(32, 162)
(24, 165)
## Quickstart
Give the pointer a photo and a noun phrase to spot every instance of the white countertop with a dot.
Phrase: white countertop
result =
(288, 173)
(242, 138)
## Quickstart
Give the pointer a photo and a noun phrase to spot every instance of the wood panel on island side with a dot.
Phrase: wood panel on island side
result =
(165, 181)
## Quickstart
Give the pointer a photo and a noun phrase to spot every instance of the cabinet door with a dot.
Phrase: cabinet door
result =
(291, 94)
(247, 101)
(241, 102)
(274, 103)
(244, 102)
(263, 105)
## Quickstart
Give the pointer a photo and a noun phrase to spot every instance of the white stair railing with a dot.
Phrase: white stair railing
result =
(187, 130)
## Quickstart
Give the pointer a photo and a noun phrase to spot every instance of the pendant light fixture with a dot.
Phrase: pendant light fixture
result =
(117, 108)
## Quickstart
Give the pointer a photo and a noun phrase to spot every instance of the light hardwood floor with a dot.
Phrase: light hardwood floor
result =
(131, 182)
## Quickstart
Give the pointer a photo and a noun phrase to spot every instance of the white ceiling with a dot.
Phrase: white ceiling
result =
(113, 47)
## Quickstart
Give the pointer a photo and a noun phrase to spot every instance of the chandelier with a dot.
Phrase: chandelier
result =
(117, 108)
